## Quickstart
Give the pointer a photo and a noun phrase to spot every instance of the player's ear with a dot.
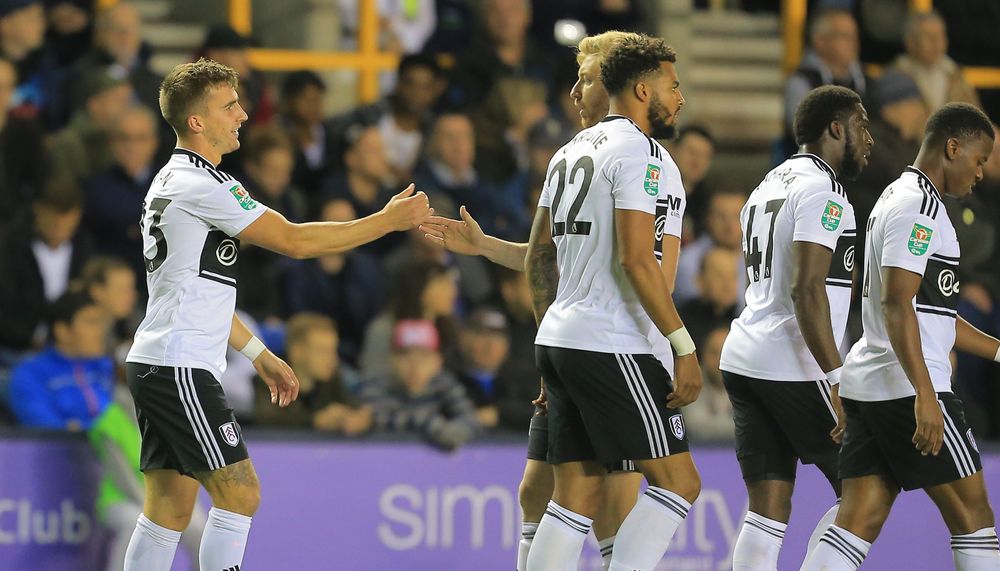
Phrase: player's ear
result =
(836, 130)
(951, 148)
(194, 124)
(641, 91)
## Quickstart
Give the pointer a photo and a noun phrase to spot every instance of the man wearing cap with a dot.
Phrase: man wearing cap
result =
(419, 396)
(485, 344)
(82, 149)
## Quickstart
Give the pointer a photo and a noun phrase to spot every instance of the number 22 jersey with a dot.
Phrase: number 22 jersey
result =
(191, 216)
(799, 201)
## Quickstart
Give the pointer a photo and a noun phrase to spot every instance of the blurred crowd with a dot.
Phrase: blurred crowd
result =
(399, 335)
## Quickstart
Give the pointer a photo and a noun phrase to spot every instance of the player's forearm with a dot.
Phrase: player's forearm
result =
(507, 254)
(904, 335)
(313, 239)
(543, 277)
(971, 340)
(812, 311)
(647, 280)
(240, 334)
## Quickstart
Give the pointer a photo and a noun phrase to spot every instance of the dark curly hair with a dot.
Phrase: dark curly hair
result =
(821, 107)
(633, 58)
(957, 121)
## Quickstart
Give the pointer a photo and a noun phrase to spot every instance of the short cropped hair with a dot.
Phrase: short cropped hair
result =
(186, 87)
(97, 270)
(821, 107)
(695, 129)
(601, 44)
(632, 59)
(957, 120)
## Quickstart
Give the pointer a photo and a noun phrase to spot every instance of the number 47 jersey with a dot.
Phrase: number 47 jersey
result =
(607, 167)
(190, 218)
(798, 201)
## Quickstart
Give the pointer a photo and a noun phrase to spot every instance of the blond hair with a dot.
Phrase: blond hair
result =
(302, 324)
(601, 44)
(186, 87)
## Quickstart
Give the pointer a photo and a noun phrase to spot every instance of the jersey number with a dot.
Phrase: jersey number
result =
(751, 250)
(157, 205)
(572, 225)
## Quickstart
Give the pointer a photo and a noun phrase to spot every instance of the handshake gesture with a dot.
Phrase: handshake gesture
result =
(408, 209)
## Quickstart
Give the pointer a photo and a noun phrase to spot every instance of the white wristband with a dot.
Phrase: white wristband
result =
(681, 341)
(834, 375)
(997, 356)
(253, 348)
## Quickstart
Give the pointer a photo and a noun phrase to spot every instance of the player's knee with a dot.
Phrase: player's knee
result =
(533, 495)
(169, 515)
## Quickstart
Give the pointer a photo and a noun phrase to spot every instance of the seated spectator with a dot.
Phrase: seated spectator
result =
(348, 288)
(926, 60)
(327, 387)
(485, 344)
(83, 149)
(711, 416)
(423, 290)
(831, 60)
(22, 156)
(69, 29)
(22, 35)
(268, 164)
(114, 196)
(302, 118)
(715, 306)
(417, 395)
(723, 229)
(405, 116)
(693, 151)
(69, 386)
(110, 282)
(44, 250)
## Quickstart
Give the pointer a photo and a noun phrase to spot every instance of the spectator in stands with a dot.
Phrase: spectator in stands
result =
(516, 410)
(110, 282)
(424, 290)
(22, 156)
(693, 151)
(114, 196)
(715, 307)
(722, 225)
(83, 148)
(22, 34)
(485, 345)
(926, 60)
(327, 387)
(405, 116)
(348, 288)
(364, 180)
(268, 163)
(711, 416)
(302, 117)
(40, 253)
(227, 46)
(119, 47)
(897, 115)
(418, 395)
(831, 60)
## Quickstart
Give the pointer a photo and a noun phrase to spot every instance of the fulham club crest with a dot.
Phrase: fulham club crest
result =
(677, 426)
(230, 434)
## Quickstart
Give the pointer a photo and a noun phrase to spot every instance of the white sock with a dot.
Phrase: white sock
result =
(607, 545)
(758, 544)
(645, 534)
(528, 529)
(838, 550)
(224, 541)
(559, 540)
(976, 551)
(152, 547)
(821, 526)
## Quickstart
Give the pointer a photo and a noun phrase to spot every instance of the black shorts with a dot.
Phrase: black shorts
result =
(538, 444)
(606, 407)
(185, 422)
(878, 441)
(779, 423)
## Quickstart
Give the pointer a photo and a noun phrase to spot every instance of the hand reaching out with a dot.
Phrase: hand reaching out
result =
(463, 236)
(408, 209)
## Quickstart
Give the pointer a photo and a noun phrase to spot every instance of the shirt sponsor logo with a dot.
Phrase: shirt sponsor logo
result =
(229, 434)
(243, 197)
(677, 426)
(948, 283)
(652, 182)
(920, 239)
(227, 252)
(832, 215)
(849, 259)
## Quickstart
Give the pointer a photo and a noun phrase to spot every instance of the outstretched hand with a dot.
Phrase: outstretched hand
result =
(279, 378)
(463, 236)
(408, 209)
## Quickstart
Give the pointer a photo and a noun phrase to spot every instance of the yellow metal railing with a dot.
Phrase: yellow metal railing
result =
(793, 21)
(368, 61)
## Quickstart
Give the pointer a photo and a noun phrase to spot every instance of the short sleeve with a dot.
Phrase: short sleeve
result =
(821, 217)
(636, 182)
(229, 207)
(671, 202)
(909, 239)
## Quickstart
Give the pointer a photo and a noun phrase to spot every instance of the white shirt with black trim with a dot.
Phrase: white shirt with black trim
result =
(908, 229)
(798, 201)
(670, 206)
(609, 166)
(191, 216)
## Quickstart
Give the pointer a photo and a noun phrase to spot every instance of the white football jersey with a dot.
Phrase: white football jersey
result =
(909, 229)
(798, 201)
(670, 206)
(190, 217)
(612, 165)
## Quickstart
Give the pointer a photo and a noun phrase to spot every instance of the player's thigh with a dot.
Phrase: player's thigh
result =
(963, 504)
(568, 437)
(234, 488)
(865, 505)
(170, 498)
(535, 489)
(762, 447)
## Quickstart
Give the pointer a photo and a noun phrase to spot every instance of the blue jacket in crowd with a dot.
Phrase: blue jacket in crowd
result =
(51, 390)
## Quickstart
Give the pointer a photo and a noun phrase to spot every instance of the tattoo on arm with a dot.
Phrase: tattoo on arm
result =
(543, 277)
